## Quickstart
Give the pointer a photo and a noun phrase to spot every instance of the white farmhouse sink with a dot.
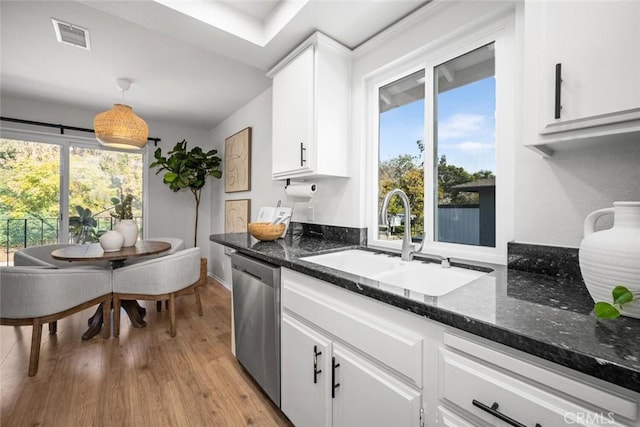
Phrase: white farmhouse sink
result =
(355, 261)
(429, 278)
(423, 277)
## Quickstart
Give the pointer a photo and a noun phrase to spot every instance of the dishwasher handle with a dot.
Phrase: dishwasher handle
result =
(257, 269)
(245, 271)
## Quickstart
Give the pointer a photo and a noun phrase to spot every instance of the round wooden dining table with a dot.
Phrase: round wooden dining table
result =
(94, 252)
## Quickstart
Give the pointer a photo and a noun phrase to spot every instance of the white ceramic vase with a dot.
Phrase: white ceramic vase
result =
(609, 258)
(111, 241)
(129, 229)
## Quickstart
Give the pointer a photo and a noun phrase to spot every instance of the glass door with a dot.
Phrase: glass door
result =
(62, 191)
(98, 179)
(29, 195)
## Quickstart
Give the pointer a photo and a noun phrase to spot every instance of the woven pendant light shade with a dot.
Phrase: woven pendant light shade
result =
(121, 128)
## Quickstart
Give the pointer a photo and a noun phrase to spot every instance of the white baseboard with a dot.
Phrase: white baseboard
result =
(219, 280)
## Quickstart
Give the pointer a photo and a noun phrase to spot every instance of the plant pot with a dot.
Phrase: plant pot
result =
(129, 229)
(111, 241)
(609, 258)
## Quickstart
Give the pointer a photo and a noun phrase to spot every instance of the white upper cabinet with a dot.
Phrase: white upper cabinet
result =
(596, 96)
(311, 93)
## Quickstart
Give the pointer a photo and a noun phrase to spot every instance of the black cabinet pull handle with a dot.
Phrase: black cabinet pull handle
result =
(558, 105)
(334, 386)
(493, 410)
(316, 371)
(302, 150)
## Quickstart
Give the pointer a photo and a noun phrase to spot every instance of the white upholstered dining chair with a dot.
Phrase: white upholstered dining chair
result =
(41, 256)
(176, 245)
(35, 295)
(158, 279)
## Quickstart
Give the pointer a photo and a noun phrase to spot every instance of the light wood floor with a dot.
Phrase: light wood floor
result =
(142, 378)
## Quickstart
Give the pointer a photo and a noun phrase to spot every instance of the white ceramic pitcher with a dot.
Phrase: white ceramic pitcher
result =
(609, 258)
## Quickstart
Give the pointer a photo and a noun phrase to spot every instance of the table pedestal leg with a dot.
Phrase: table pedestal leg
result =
(141, 309)
(95, 324)
(134, 310)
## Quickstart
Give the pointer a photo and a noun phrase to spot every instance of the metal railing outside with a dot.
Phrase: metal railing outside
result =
(19, 233)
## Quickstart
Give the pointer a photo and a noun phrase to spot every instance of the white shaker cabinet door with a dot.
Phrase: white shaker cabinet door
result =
(598, 45)
(306, 374)
(448, 418)
(581, 64)
(364, 395)
(293, 116)
(311, 110)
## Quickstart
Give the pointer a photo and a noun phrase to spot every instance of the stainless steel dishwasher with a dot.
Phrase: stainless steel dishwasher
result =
(256, 312)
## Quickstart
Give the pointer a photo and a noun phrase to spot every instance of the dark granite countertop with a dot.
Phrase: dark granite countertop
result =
(542, 315)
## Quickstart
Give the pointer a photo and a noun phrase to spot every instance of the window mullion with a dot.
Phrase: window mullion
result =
(63, 217)
(429, 156)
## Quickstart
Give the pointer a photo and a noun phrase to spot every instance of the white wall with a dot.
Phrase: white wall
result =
(169, 214)
(264, 192)
(554, 195)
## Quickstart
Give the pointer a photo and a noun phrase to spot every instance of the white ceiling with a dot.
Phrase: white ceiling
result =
(195, 71)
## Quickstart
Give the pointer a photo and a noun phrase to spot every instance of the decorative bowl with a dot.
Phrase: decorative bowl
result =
(265, 231)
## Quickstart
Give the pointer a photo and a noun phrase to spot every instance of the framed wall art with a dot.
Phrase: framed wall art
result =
(236, 215)
(237, 162)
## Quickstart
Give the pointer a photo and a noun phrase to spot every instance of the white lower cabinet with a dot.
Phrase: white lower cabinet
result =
(367, 396)
(348, 360)
(330, 380)
(324, 383)
(488, 385)
(448, 418)
(306, 377)
(494, 397)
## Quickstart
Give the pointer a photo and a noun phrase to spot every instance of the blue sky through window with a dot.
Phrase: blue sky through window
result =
(466, 127)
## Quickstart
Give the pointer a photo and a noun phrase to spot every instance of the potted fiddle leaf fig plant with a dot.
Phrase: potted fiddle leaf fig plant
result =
(188, 170)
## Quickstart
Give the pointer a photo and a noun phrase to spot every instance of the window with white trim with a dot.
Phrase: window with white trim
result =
(436, 135)
(59, 188)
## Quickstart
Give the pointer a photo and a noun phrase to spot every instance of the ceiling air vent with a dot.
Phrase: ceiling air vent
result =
(71, 34)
